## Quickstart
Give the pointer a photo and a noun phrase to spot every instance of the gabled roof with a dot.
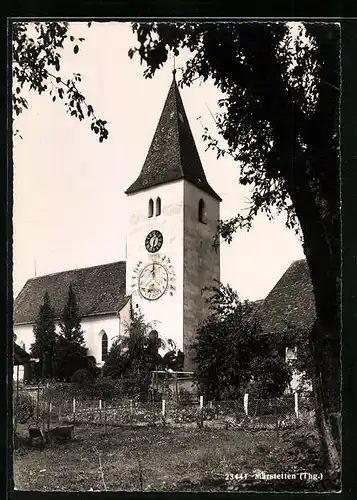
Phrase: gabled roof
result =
(291, 303)
(98, 289)
(172, 154)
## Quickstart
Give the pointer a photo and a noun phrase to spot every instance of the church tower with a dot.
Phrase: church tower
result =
(173, 219)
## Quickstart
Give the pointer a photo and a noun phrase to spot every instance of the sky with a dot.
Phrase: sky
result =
(70, 210)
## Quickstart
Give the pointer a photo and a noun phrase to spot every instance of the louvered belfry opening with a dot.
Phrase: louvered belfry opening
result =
(158, 206)
(151, 208)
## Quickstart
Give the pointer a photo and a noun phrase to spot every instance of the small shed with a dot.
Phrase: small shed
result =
(21, 357)
(22, 362)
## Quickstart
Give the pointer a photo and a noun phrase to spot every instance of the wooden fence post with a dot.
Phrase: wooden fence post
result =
(105, 416)
(74, 409)
(200, 424)
(296, 401)
(49, 415)
(245, 403)
(153, 409)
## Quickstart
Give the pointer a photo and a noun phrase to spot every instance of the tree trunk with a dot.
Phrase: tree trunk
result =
(321, 231)
(325, 348)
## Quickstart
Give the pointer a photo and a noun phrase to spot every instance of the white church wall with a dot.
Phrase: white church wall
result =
(92, 328)
(166, 313)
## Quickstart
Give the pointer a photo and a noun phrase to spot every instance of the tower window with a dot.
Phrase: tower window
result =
(104, 345)
(151, 208)
(158, 206)
(202, 211)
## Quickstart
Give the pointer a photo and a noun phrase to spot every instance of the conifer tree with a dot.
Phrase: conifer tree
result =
(70, 352)
(70, 323)
(45, 337)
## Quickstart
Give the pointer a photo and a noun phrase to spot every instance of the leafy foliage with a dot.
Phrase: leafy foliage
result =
(115, 362)
(136, 354)
(45, 337)
(36, 64)
(23, 407)
(232, 355)
(83, 377)
(68, 358)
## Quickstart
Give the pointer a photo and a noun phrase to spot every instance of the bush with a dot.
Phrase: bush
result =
(83, 378)
(24, 408)
(124, 388)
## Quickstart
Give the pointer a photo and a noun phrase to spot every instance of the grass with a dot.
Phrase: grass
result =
(157, 459)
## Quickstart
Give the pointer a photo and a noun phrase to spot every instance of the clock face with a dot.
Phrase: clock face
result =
(153, 281)
(153, 241)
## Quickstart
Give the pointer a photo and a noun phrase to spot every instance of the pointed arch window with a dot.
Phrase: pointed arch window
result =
(202, 211)
(158, 206)
(104, 345)
(151, 208)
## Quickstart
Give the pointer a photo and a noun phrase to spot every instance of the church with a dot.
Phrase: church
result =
(170, 258)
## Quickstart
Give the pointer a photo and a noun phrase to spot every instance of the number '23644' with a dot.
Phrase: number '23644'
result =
(230, 477)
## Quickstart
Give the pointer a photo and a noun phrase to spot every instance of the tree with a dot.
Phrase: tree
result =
(45, 337)
(70, 323)
(36, 64)
(280, 121)
(232, 354)
(136, 353)
(67, 359)
(85, 377)
(69, 351)
(115, 362)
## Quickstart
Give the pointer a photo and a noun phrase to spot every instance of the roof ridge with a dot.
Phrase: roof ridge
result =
(77, 269)
(177, 99)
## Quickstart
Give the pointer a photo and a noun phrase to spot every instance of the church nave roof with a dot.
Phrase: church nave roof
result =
(99, 290)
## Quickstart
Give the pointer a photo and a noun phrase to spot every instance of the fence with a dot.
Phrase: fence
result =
(49, 408)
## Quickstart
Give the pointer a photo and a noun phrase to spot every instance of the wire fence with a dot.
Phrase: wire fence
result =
(44, 408)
